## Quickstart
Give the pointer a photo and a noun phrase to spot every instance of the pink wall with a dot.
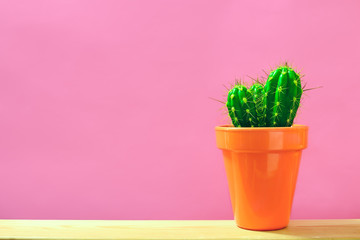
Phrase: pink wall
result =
(104, 108)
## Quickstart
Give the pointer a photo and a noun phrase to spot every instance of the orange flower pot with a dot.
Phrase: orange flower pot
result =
(262, 166)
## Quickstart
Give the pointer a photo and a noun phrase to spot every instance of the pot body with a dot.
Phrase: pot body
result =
(262, 166)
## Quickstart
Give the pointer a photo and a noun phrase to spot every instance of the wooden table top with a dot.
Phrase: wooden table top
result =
(173, 229)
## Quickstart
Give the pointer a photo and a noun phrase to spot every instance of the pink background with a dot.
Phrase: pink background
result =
(105, 109)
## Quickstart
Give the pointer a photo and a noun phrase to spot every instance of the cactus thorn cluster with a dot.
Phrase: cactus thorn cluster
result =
(273, 104)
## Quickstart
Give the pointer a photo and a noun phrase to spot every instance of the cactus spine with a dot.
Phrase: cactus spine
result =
(272, 105)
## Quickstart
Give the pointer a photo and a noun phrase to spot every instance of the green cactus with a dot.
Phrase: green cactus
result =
(282, 94)
(272, 105)
(241, 107)
(257, 91)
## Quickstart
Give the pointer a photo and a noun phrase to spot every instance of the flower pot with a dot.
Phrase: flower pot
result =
(262, 166)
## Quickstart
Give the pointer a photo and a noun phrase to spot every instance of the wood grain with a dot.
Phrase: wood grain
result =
(171, 229)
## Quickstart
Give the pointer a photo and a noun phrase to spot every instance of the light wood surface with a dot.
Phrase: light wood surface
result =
(171, 229)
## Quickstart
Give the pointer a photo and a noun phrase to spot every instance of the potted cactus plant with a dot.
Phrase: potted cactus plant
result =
(262, 149)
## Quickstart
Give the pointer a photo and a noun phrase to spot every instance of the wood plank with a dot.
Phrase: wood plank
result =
(173, 229)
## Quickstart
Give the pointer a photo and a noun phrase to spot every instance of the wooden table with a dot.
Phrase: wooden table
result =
(171, 229)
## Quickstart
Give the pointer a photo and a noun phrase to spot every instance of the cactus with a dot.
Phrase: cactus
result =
(241, 107)
(272, 105)
(282, 94)
(257, 91)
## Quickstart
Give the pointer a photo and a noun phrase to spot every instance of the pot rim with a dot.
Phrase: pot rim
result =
(264, 139)
(231, 128)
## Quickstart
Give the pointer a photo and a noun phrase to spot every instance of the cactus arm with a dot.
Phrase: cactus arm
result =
(246, 116)
(241, 107)
(281, 111)
(296, 92)
(251, 115)
(240, 110)
(230, 104)
(233, 118)
(257, 91)
(269, 95)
